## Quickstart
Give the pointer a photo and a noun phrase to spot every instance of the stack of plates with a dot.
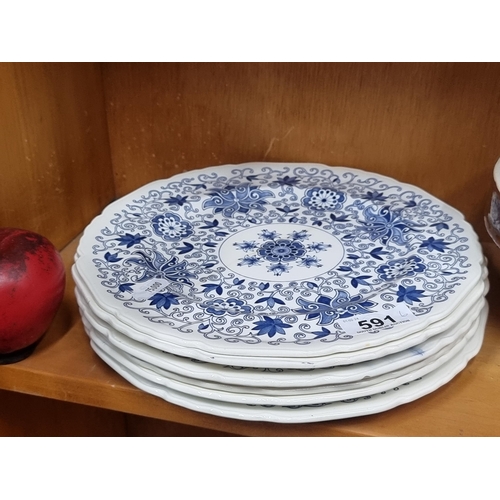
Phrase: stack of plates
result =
(282, 292)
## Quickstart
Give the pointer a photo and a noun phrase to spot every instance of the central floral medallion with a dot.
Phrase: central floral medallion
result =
(281, 252)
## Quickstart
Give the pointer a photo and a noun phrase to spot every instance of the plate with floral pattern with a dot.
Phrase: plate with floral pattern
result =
(353, 407)
(263, 379)
(279, 260)
(467, 308)
(280, 397)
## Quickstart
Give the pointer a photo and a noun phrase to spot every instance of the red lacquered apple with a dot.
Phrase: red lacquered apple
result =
(32, 281)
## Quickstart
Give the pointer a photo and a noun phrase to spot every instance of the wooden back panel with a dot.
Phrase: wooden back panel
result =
(55, 166)
(436, 125)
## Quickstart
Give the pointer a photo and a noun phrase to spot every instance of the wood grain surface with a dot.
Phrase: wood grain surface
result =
(436, 125)
(55, 167)
(30, 416)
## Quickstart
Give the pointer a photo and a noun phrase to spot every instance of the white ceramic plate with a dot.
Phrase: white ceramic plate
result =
(335, 359)
(279, 260)
(368, 405)
(263, 378)
(324, 394)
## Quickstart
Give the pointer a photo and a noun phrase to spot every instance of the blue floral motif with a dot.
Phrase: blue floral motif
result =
(126, 287)
(339, 218)
(155, 265)
(239, 199)
(300, 235)
(164, 300)
(268, 235)
(440, 226)
(328, 309)
(373, 196)
(270, 326)
(112, 257)
(270, 301)
(231, 306)
(399, 268)
(212, 287)
(247, 245)
(376, 253)
(188, 247)
(310, 261)
(210, 224)
(286, 209)
(432, 244)
(278, 269)
(360, 280)
(171, 227)
(282, 250)
(288, 181)
(130, 239)
(318, 247)
(322, 199)
(409, 294)
(322, 334)
(387, 224)
(176, 200)
(250, 260)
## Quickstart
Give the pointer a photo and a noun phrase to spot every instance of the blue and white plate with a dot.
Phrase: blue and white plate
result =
(403, 357)
(285, 397)
(353, 407)
(279, 260)
(469, 309)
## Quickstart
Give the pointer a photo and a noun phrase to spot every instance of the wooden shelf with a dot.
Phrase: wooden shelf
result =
(65, 368)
